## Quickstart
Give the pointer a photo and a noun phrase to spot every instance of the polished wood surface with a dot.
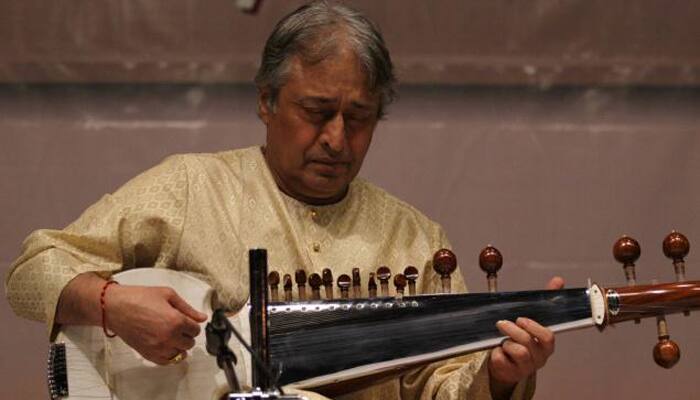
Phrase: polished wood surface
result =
(676, 247)
(626, 250)
(642, 301)
(666, 353)
(344, 283)
(411, 274)
(445, 263)
(315, 281)
(491, 261)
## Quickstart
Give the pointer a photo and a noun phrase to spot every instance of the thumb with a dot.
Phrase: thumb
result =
(555, 283)
(181, 305)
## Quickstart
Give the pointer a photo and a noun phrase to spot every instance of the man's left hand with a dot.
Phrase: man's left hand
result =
(526, 350)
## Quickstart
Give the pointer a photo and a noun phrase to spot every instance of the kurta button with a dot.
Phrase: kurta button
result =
(316, 247)
(314, 214)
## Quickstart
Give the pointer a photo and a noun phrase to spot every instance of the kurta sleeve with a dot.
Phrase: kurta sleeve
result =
(137, 226)
(464, 377)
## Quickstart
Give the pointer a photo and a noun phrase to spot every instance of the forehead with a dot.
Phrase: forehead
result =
(337, 78)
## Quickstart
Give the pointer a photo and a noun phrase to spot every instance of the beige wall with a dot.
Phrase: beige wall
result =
(550, 177)
(541, 42)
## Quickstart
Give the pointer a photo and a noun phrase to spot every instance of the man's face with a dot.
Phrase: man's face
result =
(322, 126)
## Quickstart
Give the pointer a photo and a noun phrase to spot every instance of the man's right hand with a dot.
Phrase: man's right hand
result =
(154, 321)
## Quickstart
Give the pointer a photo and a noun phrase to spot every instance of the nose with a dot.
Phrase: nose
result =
(333, 137)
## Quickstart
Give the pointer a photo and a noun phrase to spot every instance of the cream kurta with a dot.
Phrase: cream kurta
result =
(201, 213)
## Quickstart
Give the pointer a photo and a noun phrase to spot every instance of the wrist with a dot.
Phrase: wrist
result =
(501, 390)
(103, 306)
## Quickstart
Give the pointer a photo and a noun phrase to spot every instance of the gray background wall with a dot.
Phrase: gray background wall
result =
(549, 174)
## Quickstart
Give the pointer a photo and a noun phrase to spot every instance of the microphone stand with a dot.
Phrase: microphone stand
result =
(219, 330)
(218, 333)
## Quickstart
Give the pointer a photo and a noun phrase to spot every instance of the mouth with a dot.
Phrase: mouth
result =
(330, 168)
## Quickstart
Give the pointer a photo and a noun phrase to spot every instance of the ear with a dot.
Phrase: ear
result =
(264, 111)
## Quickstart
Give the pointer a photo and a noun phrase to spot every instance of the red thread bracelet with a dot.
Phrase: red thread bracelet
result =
(102, 306)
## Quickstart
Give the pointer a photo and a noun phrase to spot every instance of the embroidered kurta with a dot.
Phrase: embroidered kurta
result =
(200, 213)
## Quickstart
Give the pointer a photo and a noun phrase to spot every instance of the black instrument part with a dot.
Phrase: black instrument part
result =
(318, 338)
(57, 371)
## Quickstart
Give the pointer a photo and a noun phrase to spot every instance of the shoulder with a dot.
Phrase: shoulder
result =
(231, 159)
(397, 212)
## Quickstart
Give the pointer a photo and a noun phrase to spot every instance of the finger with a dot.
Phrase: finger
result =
(501, 368)
(556, 283)
(181, 305)
(544, 336)
(167, 357)
(183, 343)
(189, 328)
(500, 360)
(170, 357)
(515, 333)
(520, 356)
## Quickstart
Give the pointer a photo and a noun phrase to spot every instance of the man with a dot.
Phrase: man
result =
(324, 82)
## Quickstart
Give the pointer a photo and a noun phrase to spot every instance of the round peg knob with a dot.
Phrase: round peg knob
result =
(626, 251)
(344, 283)
(400, 283)
(315, 282)
(676, 246)
(445, 263)
(287, 284)
(666, 353)
(384, 274)
(411, 274)
(491, 261)
(327, 277)
(273, 279)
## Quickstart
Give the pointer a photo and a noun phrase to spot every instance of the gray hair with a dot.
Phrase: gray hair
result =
(313, 32)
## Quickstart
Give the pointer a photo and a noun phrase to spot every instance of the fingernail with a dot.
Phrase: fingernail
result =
(501, 322)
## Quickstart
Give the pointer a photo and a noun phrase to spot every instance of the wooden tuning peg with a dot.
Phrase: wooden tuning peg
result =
(626, 251)
(273, 279)
(344, 285)
(666, 352)
(400, 284)
(383, 274)
(372, 286)
(327, 277)
(287, 284)
(300, 279)
(445, 263)
(356, 288)
(411, 274)
(490, 261)
(315, 282)
(676, 246)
